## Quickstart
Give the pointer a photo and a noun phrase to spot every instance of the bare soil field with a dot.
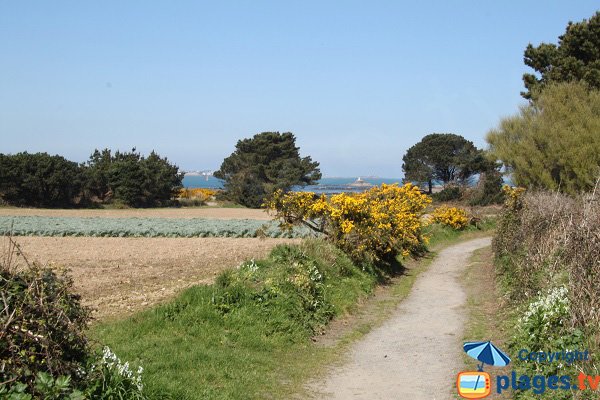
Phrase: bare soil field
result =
(208, 212)
(117, 276)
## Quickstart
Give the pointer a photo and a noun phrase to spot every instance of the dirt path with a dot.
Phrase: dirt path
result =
(416, 354)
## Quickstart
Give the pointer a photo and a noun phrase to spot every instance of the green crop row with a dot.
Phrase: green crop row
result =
(142, 227)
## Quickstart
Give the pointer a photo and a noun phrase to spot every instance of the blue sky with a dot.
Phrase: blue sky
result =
(357, 82)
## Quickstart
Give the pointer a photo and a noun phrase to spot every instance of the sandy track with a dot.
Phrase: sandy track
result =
(416, 354)
(216, 212)
(117, 276)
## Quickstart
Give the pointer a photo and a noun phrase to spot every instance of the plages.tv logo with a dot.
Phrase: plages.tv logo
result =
(477, 384)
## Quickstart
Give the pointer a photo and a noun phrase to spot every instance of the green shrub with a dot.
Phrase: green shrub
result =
(44, 350)
(291, 281)
(43, 325)
(449, 193)
(545, 325)
(488, 190)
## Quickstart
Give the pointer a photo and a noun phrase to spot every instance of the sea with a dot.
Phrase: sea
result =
(330, 185)
(325, 185)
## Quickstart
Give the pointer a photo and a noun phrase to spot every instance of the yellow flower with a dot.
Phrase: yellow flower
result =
(453, 217)
(382, 220)
(347, 226)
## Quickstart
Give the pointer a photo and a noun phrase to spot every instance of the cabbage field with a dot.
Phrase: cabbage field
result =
(143, 227)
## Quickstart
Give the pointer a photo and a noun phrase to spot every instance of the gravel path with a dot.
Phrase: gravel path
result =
(416, 354)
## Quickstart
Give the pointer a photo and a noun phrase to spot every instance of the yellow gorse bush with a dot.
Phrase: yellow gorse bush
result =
(377, 224)
(513, 197)
(453, 217)
(202, 194)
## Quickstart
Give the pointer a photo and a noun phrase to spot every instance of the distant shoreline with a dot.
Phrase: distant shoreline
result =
(196, 173)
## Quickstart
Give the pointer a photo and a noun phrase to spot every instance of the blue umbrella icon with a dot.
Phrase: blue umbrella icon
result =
(487, 353)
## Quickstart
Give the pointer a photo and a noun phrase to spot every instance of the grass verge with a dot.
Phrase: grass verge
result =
(488, 315)
(251, 334)
(494, 315)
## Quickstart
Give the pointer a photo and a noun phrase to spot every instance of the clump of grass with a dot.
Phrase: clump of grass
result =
(235, 338)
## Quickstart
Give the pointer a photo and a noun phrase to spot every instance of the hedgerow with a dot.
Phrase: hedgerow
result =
(547, 249)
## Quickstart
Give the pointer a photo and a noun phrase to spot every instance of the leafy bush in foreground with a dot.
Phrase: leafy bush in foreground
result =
(44, 351)
(545, 326)
(43, 325)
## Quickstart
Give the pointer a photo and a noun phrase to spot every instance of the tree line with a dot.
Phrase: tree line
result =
(125, 178)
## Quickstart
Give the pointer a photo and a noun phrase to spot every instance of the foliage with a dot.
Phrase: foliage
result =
(106, 379)
(442, 156)
(454, 217)
(199, 193)
(376, 225)
(143, 227)
(242, 336)
(42, 180)
(545, 325)
(544, 321)
(109, 378)
(44, 352)
(195, 196)
(267, 162)
(42, 324)
(554, 142)
(513, 200)
(449, 193)
(546, 241)
(46, 387)
(39, 180)
(488, 190)
(576, 57)
(131, 178)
